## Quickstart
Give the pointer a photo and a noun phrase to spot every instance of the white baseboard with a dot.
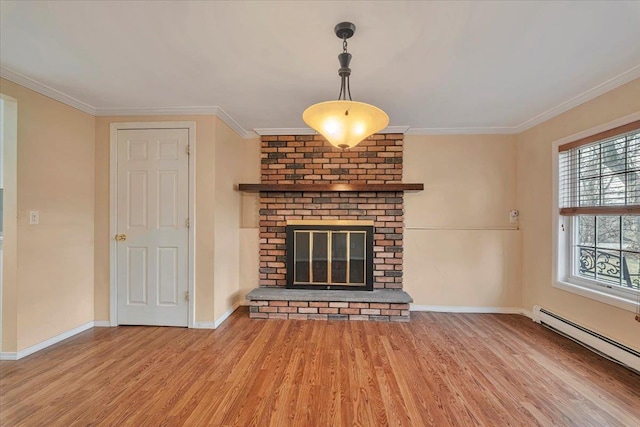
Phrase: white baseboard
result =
(462, 309)
(226, 315)
(102, 323)
(204, 325)
(46, 343)
(9, 355)
(218, 321)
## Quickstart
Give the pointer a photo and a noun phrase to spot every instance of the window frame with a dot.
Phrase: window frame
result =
(563, 251)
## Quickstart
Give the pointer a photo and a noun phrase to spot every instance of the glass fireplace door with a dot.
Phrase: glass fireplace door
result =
(329, 258)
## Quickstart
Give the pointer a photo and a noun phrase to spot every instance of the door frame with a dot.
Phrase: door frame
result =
(113, 209)
(9, 270)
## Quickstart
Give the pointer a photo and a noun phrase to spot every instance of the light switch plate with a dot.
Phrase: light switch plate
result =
(34, 217)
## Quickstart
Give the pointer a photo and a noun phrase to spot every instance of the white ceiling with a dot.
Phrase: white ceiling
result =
(433, 66)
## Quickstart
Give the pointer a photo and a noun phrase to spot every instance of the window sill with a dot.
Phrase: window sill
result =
(628, 303)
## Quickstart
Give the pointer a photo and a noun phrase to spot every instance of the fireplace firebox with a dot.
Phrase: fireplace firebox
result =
(329, 257)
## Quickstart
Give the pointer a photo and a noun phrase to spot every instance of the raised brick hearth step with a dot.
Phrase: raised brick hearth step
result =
(378, 295)
(378, 305)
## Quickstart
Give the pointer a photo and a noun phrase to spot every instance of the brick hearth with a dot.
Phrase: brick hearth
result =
(379, 305)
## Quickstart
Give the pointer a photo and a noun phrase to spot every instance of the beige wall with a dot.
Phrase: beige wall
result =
(9, 252)
(460, 248)
(249, 236)
(534, 200)
(218, 168)
(229, 172)
(55, 175)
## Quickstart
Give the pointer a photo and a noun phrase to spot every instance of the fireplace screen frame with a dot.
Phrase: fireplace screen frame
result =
(329, 285)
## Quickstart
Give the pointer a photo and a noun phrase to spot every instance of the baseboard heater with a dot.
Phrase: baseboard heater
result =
(606, 347)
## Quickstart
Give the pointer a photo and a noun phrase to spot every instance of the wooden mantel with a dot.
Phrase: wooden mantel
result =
(373, 188)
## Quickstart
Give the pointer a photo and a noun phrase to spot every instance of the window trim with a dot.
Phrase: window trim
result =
(561, 275)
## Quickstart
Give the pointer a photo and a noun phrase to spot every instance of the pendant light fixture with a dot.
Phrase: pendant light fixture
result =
(345, 123)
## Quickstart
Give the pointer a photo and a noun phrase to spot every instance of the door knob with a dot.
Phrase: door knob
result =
(121, 237)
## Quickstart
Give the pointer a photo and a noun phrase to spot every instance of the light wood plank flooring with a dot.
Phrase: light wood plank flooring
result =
(439, 370)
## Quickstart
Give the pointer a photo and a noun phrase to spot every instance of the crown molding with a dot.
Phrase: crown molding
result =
(217, 111)
(213, 110)
(588, 95)
(45, 90)
(284, 131)
(462, 131)
(395, 129)
(222, 115)
(309, 131)
(157, 111)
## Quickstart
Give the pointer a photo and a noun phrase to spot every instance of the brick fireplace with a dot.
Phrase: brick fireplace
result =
(305, 179)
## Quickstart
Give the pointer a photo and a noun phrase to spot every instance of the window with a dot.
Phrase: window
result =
(599, 206)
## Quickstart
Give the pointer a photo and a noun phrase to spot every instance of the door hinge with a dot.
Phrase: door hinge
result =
(187, 223)
(188, 150)
(186, 296)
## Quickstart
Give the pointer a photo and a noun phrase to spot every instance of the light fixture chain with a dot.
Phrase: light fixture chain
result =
(345, 87)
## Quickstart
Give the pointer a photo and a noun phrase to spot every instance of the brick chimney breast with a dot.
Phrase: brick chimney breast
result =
(310, 159)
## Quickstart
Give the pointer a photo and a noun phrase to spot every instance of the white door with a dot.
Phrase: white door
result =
(152, 227)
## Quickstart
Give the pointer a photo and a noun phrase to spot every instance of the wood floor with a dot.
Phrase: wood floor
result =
(439, 370)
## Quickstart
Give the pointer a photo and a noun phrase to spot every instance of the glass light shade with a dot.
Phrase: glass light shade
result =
(345, 123)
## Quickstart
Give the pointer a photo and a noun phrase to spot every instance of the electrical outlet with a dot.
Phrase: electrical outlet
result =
(34, 217)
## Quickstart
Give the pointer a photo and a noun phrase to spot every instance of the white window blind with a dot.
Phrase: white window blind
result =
(601, 174)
